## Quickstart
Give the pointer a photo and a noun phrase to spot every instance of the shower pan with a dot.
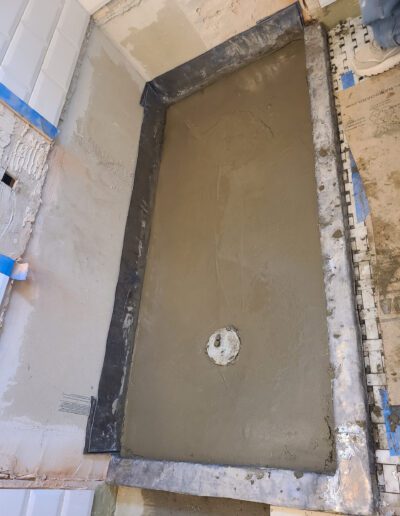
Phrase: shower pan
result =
(232, 364)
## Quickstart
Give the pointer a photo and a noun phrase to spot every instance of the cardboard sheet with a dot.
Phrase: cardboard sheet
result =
(371, 121)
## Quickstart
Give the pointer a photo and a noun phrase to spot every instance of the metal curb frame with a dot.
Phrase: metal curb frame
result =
(350, 490)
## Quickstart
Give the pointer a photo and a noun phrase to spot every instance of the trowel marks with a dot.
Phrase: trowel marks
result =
(235, 262)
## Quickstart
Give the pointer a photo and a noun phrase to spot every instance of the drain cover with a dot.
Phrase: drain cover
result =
(223, 346)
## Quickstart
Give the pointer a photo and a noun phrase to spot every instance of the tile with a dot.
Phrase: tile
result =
(44, 502)
(48, 98)
(391, 478)
(73, 22)
(12, 501)
(22, 62)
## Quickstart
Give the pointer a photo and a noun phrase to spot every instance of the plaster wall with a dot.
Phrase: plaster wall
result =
(52, 344)
(92, 5)
(157, 35)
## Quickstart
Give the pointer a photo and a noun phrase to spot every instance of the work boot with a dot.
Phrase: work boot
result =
(371, 59)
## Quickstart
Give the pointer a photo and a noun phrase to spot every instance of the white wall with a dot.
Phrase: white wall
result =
(157, 35)
(53, 341)
(40, 42)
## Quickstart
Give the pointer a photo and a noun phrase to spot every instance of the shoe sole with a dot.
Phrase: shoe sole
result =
(386, 65)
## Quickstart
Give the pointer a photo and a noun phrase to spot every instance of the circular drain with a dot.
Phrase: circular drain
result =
(223, 346)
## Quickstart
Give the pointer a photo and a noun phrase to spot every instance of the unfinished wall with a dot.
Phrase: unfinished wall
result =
(157, 35)
(45, 502)
(52, 345)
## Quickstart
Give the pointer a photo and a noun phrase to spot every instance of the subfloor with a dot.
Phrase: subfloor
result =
(235, 243)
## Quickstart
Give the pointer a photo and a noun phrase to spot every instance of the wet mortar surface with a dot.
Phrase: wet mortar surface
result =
(235, 243)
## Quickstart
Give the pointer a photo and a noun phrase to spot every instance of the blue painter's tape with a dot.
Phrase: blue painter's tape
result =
(360, 197)
(6, 265)
(22, 109)
(391, 416)
(347, 80)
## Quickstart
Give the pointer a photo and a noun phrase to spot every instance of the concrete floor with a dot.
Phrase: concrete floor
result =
(226, 248)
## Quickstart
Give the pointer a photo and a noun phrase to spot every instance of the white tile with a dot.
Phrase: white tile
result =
(378, 397)
(381, 478)
(376, 379)
(91, 6)
(26, 51)
(4, 41)
(365, 270)
(59, 63)
(383, 442)
(44, 502)
(12, 501)
(368, 297)
(391, 478)
(384, 457)
(41, 17)
(373, 345)
(369, 314)
(50, 90)
(47, 98)
(392, 500)
(375, 361)
(77, 503)
(371, 329)
(376, 418)
(22, 62)
(73, 22)
(11, 12)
